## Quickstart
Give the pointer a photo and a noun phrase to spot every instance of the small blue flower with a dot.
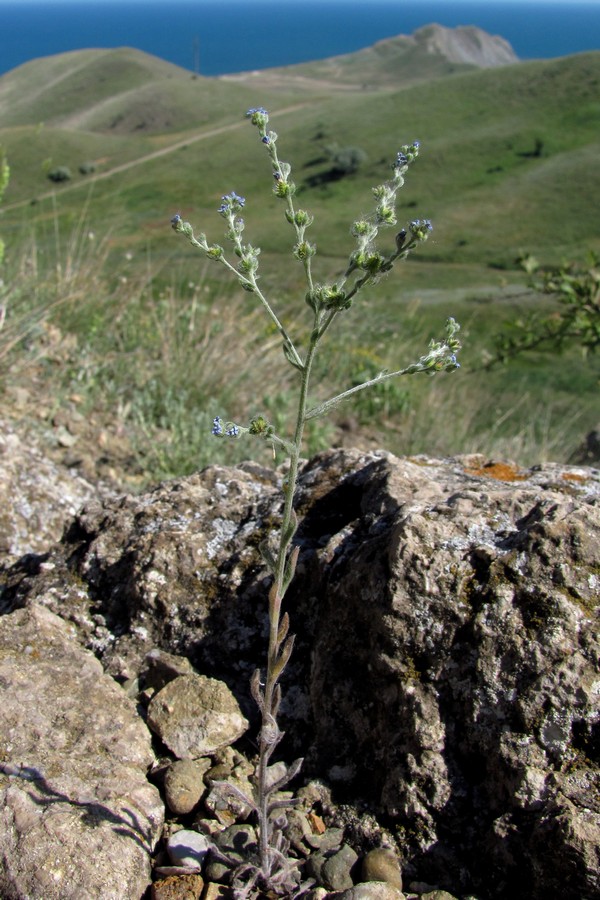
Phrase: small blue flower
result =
(231, 203)
(254, 110)
(266, 139)
(217, 427)
(232, 431)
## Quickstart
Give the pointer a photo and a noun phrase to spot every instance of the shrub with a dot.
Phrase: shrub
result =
(60, 173)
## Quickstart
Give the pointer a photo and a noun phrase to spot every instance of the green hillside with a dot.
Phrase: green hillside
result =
(507, 156)
(508, 164)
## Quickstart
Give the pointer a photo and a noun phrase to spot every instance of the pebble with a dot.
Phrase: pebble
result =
(330, 839)
(382, 864)
(226, 806)
(184, 785)
(372, 890)
(161, 667)
(238, 843)
(187, 848)
(215, 891)
(178, 887)
(335, 871)
(437, 895)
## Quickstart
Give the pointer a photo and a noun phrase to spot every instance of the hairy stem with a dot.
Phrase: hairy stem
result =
(270, 734)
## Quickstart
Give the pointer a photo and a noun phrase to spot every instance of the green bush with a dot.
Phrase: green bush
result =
(61, 173)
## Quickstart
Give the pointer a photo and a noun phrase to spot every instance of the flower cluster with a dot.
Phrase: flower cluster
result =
(225, 429)
(406, 155)
(231, 203)
(366, 257)
(441, 356)
(421, 229)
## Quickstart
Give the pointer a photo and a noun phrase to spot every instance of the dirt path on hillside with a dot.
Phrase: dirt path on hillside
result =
(132, 163)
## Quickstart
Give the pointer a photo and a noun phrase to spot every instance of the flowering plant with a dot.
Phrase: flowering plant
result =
(273, 870)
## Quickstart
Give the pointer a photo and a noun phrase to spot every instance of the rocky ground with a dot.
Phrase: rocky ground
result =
(443, 688)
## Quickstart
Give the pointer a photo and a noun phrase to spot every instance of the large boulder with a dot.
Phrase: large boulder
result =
(78, 815)
(445, 671)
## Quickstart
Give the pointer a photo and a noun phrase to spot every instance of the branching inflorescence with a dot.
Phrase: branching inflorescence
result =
(273, 870)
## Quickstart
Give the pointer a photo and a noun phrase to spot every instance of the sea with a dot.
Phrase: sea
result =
(215, 37)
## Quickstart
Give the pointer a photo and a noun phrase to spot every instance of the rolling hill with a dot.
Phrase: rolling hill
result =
(507, 162)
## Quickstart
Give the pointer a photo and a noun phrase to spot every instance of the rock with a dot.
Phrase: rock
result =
(437, 895)
(465, 44)
(458, 623)
(188, 848)
(184, 785)
(178, 887)
(225, 803)
(161, 667)
(298, 831)
(215, 891)
(330, 839)
(237, 843)
(381, 864)
(37, 497)
(336, 869)
(78, 816)
(332, 869)
(445, 614)
(372, 890)
(317, 894)
(195, 715)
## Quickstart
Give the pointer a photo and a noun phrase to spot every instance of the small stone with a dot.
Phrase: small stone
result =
(215, 891)
(382, 864)
(330, 839)
(316, 823)
(161, 667)
(438, 895)
(187, 848)
(298, 830)
(238, 843)
(195, 715)
(227, 806)
(178, 887)
(372, 890)
(184, 785)
(335, 872)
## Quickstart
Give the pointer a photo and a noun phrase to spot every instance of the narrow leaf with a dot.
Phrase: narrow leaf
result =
(267, 556)
(283, 628)
(256, 690)
(290, 567)
(276, 701)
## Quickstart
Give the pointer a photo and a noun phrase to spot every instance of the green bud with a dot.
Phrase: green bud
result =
(260, 426)
(304, 250)
(302, 218)
(215, 252)
(386, 215)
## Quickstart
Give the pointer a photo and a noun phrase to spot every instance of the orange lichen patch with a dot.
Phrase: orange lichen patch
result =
(500, 471)
(573, 476)
(316, 823)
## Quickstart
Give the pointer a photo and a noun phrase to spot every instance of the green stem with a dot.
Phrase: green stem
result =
(274, 669)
